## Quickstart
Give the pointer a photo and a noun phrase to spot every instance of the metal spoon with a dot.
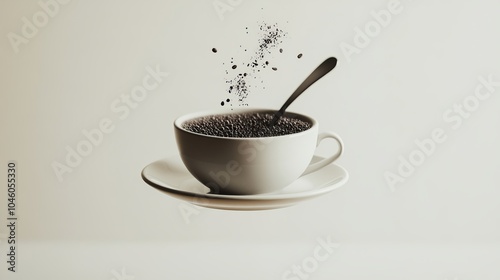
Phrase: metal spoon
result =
(319, 72)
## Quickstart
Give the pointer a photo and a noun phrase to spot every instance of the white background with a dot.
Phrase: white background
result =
(103, 222)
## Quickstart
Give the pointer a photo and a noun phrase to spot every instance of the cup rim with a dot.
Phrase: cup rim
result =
(189, 116)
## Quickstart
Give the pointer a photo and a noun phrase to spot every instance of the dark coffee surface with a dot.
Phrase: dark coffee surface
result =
(246, 125)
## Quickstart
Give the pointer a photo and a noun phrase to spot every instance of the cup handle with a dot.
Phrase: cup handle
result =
(317, 165)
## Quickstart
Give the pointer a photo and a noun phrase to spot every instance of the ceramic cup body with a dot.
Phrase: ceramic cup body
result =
(246, 166)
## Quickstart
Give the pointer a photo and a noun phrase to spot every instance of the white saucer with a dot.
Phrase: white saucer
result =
(170, 176)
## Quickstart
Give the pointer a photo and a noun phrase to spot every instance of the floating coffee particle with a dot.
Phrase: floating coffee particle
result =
(299, 56)
(281, 50)
(274, 68)
(239, 87)
(222, 103)
(214, 50)
(227, 100)
(269, 39)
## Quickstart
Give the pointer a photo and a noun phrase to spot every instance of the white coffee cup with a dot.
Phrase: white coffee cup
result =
(246, 166)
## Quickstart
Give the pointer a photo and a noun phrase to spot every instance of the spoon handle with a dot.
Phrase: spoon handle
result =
(319, 72)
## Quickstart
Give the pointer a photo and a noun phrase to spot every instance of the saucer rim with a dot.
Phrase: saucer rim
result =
(253, 197)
